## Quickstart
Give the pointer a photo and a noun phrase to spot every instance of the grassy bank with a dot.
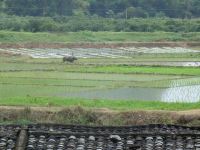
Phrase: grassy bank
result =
(86, 36)
(122, 105)
(81, 68)
(82, 116)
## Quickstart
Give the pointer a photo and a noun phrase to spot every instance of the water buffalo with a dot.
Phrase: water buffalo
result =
(70, 59)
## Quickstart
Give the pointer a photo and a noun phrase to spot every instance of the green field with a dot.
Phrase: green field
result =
(31, 85)
(25, 77)
(52, 83)
(120, 105)
(42, 82)
(139, 70)
(55, 84)
(85, 36)
(105, 66)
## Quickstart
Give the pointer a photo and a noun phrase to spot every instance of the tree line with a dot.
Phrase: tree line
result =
(100, 15)
(76, 23)
(103, 8)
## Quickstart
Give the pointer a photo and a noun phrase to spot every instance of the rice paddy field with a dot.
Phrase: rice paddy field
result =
(166, 74)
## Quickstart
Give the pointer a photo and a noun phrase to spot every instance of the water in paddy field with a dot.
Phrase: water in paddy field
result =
(122, 93)
(182, 94)
(121, 52)
(174, 94)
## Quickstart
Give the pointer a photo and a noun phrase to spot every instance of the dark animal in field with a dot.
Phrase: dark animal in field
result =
(70, 59)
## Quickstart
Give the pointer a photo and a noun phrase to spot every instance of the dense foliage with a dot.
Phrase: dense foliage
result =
(103, 8)
(100, 15)
(74, 24)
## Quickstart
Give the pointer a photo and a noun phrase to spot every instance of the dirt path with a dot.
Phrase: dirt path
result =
(100, 45)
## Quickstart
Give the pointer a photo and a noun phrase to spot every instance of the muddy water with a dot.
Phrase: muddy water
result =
(175, 94)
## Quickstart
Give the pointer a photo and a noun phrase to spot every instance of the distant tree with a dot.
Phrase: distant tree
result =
(136, 12)
(103, 8)
(110, 13)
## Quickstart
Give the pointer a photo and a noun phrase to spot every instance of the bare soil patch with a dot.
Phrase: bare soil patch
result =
(100, 45)
(8, 54)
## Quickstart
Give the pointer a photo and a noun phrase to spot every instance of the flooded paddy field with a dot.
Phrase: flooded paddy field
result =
(60, 83)
(110, 74)
(172, 94)
(121, 52)
(140, 56)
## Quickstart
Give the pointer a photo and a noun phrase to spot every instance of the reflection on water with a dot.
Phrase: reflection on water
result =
(193, 64)
(182, 94)
(175, 94)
